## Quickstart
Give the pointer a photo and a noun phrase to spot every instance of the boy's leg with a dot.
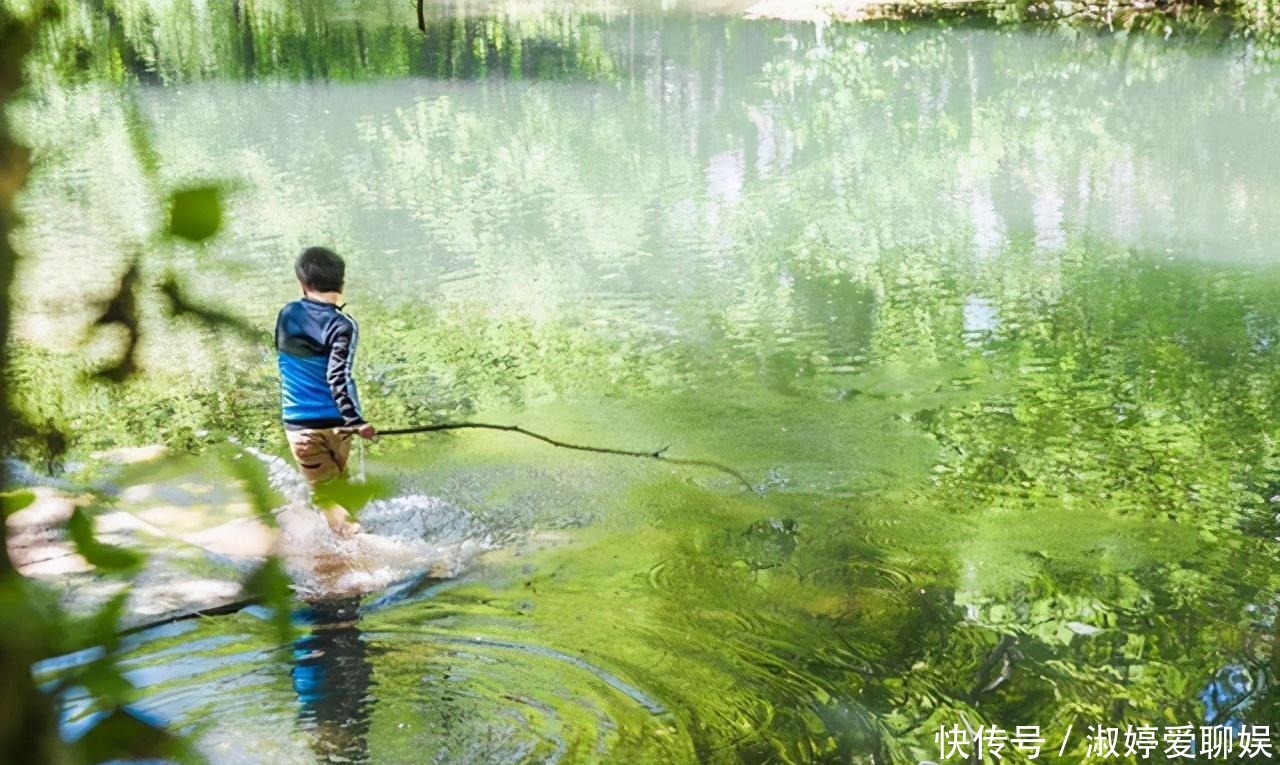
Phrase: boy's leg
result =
(339, 446)
(322, 455)
(311, 450)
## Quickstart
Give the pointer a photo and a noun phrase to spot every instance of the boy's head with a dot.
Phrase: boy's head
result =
(319, 269)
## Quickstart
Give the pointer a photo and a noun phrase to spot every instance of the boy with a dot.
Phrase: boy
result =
(316, 348)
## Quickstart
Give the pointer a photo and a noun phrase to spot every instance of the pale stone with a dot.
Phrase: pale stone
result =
(129, 455)
(51, 508)
(245, 538)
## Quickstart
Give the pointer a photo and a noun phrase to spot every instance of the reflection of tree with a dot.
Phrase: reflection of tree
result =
(1140, 402)
(331, 676)
(308, 39)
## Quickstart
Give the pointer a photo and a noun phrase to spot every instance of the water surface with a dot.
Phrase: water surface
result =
(987, 313)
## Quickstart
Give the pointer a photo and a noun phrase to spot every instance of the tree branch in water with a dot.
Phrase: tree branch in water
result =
(657, 454)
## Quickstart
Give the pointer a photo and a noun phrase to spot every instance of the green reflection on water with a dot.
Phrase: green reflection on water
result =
(990, 314)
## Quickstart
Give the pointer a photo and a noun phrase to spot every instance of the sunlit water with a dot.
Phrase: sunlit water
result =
(987, 315)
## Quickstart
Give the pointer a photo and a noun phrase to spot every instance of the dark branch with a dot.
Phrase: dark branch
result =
(654, 455)
(988, 677)
(122, 310)
(180, 305)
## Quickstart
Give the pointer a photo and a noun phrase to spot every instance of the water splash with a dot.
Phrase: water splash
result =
(400, 537)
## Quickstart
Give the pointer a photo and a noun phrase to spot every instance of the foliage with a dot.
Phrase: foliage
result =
(27, 730)
(195, 214)
(270, 582)
(105, 557)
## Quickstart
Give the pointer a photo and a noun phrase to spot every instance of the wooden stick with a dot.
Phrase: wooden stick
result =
(658, 454)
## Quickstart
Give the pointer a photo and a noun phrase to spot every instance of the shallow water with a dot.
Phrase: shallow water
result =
(987, 314)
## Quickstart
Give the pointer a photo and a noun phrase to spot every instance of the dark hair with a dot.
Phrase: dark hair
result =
(320, 269)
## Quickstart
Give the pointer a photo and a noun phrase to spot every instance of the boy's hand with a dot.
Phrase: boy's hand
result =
(367, 431)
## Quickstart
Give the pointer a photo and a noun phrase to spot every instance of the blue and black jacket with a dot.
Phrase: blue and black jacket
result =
(316, 347)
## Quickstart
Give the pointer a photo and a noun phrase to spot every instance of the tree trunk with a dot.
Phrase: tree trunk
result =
(422, 16)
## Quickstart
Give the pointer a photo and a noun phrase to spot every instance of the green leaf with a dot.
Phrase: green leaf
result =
(105, 682)
(196, 213)
(103, 627)
(103, 556)
(123, 735)
(271, 583)
(253, 478)
(13, 501)
(349, 494)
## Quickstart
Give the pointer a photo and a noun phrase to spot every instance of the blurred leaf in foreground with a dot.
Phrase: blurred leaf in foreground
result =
(125, 734)
(13, 501)
(196, 213)
(271, 583)
(103, 556)
(351, 495)
(103, 626)
(253, 478)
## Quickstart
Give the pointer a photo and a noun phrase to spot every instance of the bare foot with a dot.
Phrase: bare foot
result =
(344, 529)
(340, 522)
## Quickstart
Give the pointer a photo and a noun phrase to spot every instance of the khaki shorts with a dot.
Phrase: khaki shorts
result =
(321, 454)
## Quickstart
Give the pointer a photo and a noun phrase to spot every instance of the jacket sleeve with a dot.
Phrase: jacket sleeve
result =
(341, 343)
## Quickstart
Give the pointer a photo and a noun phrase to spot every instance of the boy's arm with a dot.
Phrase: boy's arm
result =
(338, 372)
